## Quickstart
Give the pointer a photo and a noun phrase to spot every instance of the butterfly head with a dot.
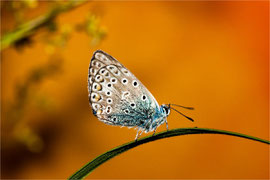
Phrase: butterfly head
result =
(165, 109)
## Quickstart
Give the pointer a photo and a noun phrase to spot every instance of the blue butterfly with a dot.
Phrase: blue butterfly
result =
(118, 98)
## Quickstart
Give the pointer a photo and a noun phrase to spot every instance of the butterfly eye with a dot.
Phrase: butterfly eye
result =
(108, 93)
(124, 81)
(107, 74)
(109, 101)
(133, 105)
(95, 97)
(97, 87)
(99, 78)
(111, 67)
(102, 71)
(113, 80)
(166, 110)
(135, 83)
(116, 72)
(92, 71)
(109, 85)
(143, 97)
(96, 63)
(114, 119)
(108, 109)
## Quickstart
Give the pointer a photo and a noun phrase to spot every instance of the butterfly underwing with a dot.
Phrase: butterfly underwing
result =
(118, 98)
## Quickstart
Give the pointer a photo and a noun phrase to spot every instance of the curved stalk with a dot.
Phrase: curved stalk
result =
(89, 167)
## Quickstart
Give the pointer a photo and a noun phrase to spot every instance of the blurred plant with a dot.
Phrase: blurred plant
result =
(23, 31)
(16, 129)
(92, 28)
(59, 39)
(54, 36)
(35, 77)
(19, 8)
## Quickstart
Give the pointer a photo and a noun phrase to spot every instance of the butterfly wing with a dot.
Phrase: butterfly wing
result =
(116, 96)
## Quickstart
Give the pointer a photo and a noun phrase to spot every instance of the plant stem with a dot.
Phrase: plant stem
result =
(29, 28)
(89, 167)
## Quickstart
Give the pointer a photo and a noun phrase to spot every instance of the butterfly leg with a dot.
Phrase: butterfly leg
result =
(154, 131)
(167, 126)
(138, 134)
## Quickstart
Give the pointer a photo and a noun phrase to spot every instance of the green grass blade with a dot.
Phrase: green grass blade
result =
(89, 167)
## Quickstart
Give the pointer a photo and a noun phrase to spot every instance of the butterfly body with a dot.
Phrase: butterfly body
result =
(118, 98)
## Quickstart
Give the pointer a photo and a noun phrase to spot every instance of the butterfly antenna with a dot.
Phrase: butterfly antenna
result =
(189, 118)
(190, 108)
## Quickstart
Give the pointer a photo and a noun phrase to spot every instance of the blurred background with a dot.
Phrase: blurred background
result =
(213, 56)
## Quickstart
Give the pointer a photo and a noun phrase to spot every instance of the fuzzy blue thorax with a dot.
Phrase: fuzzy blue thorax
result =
(157, 119)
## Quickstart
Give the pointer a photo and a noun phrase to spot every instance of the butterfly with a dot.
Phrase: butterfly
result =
(118, 98)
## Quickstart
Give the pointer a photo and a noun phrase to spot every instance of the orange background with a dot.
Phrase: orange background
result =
(213, 56)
